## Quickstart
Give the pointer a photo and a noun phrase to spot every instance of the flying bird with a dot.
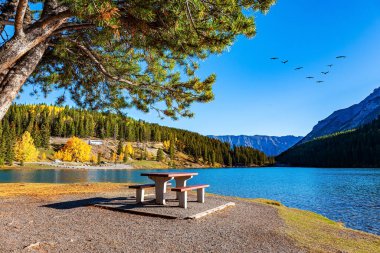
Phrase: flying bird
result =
(310, 77)
(298, 68)
(274, 58)
(320, 81)
(325, 73)
(330, 65)
(284, 62)
(341, 57)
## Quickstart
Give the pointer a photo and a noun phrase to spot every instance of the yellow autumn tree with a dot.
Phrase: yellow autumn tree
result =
(74, 150)
(43, 156)
(121, 157)
(24, 149)
(166, 145)
(128, 150)
(94, 159)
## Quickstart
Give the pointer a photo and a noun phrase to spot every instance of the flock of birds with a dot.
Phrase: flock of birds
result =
(340, 57)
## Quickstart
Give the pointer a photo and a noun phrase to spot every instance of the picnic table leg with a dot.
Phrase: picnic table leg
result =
(181, 182)
(182, 197)
(201, 195)
(160, 189)
(140, 195)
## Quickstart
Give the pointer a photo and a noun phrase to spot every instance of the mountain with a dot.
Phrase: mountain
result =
(349, 118)
(358, 148)
(270, 145)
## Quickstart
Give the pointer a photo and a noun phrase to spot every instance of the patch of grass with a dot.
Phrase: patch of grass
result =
(268, 202)
(143, 164)
(319, 234)
(49, 190)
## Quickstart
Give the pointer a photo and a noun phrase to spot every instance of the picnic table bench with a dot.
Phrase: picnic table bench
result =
(140, 190)
(183, 193)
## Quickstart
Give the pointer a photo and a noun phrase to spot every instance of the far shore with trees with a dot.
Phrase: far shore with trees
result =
(126, 140)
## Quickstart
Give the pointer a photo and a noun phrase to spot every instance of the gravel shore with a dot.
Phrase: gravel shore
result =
(28, 225)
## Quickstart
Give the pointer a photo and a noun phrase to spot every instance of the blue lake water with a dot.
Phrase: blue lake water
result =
(351, 196)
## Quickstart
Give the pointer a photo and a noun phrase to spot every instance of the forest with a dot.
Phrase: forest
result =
(354, 148)
(44, 121)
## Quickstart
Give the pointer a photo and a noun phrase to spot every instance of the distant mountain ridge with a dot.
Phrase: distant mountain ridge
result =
(270, 145)
(345, 119)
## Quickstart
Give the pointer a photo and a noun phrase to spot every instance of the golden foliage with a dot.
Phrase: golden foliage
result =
(114, 157)
(74, 150)
(43, 156)
(166, 145)
(107, 12)
(121, 157)
(128, 149)
(24, 149)
(94, 159)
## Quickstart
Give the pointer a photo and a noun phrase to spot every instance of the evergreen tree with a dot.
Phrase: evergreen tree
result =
(45, 136)
(213, 159)
(172, 150)
(2, 145)
(160, 155)
(353, 148)
(99, 159)
(120, 146)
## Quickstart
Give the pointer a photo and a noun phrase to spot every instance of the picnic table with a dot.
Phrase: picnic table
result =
(162, 178)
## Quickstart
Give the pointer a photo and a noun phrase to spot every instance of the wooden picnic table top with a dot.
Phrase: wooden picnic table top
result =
(169, 174)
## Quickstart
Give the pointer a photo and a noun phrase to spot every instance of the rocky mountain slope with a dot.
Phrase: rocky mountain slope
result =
(349, 118)
(270, 145)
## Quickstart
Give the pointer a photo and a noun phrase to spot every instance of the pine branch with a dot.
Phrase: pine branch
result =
(74, 27)
(19, 19)
(90, 54)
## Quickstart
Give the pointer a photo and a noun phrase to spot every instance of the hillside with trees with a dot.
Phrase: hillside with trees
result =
(353, 148)
(44, 122)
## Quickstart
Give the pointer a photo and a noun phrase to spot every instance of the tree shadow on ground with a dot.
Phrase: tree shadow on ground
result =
(82, 202)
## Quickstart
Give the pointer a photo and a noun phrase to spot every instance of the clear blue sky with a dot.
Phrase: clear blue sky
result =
(254, 95)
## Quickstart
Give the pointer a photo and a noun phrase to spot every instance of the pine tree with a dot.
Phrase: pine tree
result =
(2, 145)
(160, 155)
(229, 160)
(120, 147)
(213, 159)
(99, 158)
(9, 143)
(172, 150)
(45, 136)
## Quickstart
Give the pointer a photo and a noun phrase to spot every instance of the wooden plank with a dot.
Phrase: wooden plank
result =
(189, 188)
(142, 186)
(213, 210)
(169, 174)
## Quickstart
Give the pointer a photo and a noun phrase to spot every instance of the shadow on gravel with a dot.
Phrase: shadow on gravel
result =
(82, 203)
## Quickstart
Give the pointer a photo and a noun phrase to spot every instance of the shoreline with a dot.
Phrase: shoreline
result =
(309, 231)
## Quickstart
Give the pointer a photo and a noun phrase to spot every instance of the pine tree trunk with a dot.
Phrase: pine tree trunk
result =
(12, 80)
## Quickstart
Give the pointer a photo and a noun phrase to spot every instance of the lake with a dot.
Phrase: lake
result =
(351, 196)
